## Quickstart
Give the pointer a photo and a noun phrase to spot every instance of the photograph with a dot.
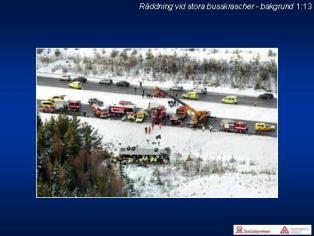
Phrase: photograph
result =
(156, 122)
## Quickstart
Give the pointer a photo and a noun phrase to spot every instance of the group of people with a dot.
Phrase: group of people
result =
(148, 129)
(173, 103)
(148, 95)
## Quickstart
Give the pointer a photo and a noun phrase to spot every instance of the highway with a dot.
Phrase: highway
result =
(214, 121)
(209, 97)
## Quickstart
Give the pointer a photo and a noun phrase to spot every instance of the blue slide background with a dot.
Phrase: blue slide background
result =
(26, 25)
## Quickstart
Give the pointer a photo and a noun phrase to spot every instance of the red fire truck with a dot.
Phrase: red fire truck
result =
(121, 110)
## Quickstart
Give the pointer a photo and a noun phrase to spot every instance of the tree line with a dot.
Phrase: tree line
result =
(71, 161)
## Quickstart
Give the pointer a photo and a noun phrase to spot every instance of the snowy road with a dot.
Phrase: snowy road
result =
(237, 112)
(210, 97)
(215, 122)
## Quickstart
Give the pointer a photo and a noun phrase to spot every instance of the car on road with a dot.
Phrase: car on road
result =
(56, 97)
(80, 79)
(190, 95)
(75, 85)
(123, 83)
(106, 81)
(65, 78)
(261, 127)
(95, 101)
(266, 96)
(200, 90)
(176, 88)
(230, 100)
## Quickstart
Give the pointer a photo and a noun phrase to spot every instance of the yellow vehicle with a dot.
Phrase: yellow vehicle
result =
(261, 127)
(75, 85)
(190, 95)
(230, 100)
(140, 116)
(47, 104)
(55, 98)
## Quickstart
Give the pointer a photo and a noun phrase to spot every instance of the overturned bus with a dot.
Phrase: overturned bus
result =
(137, 155)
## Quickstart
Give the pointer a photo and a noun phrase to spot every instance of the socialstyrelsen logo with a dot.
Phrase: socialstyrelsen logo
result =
(272, 229)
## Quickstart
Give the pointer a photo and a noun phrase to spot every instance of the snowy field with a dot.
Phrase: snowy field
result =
(75, 61)
(246, 54)
(219, 110)
(222, 165)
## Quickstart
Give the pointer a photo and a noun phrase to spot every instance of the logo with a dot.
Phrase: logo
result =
(284, 230)
(272, 229)
(239, 229)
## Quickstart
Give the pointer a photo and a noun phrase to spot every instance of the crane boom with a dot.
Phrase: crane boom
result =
(199, 115)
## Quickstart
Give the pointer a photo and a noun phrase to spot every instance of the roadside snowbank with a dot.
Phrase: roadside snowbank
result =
(219, 110)
(253, 158)
(204, 144)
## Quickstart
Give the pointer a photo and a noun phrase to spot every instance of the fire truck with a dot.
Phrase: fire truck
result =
(74, 105)
(121, 110)
(178, 118)
(234, 126)
(158, 114)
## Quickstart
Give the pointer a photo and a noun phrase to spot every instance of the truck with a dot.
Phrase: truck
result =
(61, 105)
(140, 116)
(101, 112)
(130, 116)
(233, 126)
(158, 114)
(74, 105)
(262, 127)
(138, 155)
(178, 118)
(199, 119)
(121, 110)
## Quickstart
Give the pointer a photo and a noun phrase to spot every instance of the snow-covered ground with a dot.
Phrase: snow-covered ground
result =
(219, 110)
(79, 61)
(223, 164)
(246, 54)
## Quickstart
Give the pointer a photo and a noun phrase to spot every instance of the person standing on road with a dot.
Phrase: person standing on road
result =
(141, 84)
(134, 89)
(143, 94)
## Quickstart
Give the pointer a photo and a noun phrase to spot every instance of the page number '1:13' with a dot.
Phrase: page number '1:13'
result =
(304, 6)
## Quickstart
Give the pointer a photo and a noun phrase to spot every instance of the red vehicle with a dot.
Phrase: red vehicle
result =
(74, 105)
(158, 114)
(159, 94)
(121, 110)
(181, 114)
(234, 126)
(47, 109)
(101, 113)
